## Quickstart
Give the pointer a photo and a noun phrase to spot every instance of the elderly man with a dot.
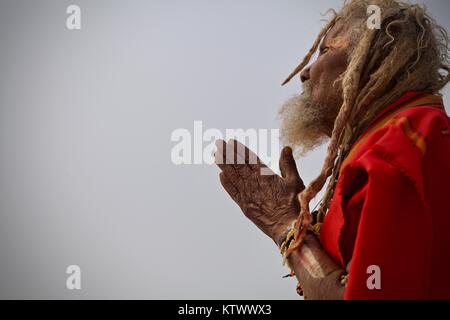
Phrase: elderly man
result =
(382, 228)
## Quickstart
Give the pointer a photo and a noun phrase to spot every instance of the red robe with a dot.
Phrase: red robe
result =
(391, 206)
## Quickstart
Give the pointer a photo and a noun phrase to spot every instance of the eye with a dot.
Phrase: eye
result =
(324, 50)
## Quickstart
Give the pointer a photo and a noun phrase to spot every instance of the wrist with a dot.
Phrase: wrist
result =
(280, 236)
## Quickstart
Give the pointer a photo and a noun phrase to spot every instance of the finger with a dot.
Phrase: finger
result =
(288, 168)
(235, 174)
(224, 156)
(230, 188)
(228, 152)
(241, 167)
(250, 157)
(219, 155)
(284, 161)
(229, 171)
(232, 148)
(253, 161)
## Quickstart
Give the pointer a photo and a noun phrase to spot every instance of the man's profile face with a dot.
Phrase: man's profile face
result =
(307, 119)
(329, 65)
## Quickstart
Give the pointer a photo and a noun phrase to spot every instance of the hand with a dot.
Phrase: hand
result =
(268, 200)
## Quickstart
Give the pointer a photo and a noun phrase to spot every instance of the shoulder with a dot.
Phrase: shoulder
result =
(404, 145)
(425, 122)
(409, 133)
(412, 133)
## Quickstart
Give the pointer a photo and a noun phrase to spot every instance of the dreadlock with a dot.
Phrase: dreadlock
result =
(408, 53)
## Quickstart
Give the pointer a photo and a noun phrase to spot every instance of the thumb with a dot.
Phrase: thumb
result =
(288, 168)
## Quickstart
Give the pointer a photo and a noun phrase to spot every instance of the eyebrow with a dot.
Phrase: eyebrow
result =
(337, 42)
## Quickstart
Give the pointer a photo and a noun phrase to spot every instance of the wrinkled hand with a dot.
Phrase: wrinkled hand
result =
(268, 200)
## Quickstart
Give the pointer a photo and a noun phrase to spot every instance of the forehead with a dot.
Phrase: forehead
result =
(336, 34)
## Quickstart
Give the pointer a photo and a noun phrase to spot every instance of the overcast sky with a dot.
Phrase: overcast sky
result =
(86, 118)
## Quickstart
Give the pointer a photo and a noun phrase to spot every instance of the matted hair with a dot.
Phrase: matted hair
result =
(408, 53)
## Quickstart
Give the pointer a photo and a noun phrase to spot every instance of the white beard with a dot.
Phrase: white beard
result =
(302, 122)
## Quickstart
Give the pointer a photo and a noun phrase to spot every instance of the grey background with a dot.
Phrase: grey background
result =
(85, 122)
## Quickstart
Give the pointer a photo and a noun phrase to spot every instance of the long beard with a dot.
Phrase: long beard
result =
(302, 122)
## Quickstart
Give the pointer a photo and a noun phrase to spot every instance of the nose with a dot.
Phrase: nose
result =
(304, 75)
